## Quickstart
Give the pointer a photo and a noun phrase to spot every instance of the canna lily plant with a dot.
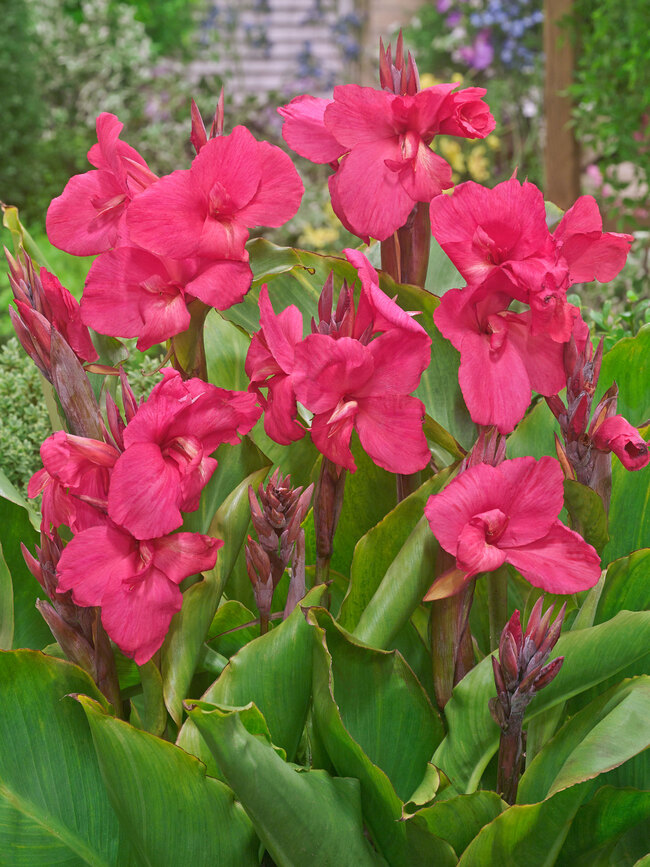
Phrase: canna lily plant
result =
(359, 582)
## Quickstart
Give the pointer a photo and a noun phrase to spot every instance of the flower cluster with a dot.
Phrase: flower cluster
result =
(166, 242)
(356, 369)
(123, 497)
(378, 142)
(499, 241)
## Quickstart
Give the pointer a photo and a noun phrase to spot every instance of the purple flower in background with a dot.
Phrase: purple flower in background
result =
(443, 5)
(480, 54)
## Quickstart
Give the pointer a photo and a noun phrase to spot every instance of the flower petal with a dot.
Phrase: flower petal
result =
(305, 132)
(390, 430)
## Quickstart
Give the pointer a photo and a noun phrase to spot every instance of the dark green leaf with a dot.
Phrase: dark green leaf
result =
(587, 513)
(628, 364)
(626, 586)
(6, 605)
(459, 819)
(629, 512)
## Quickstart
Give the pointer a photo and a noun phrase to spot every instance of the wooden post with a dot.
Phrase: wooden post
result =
(561, 152)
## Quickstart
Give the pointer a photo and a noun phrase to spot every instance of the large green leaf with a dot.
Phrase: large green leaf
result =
(302, 817)
(590, 657)
(375, 551)
(170, 811)
(53, 805)
(602, 821)
(402, 588)
(626, 586)
(30, 630)
(532, 834)
(378, 725)
(274, 672)
(628, 364)
(9, 492)
(6, 605)
(602, 736)
(189, 628)
(458, 820)
(442, 274)
(629, 511)
(226, 346)
(587, 513)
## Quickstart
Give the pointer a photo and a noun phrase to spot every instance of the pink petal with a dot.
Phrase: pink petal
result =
(169, 216)
(66, 316)
(137, 616)
(96, 561)
(425, 109)
(88, 216)
(145, 493)
(616, 434)
(465, 114)
(221, 284)
(542, 357)
(399, 363)
(280, 413)
(326, 370)
(282, 332)
(279, 193)
(368, 193)
(182, 554)
(235, 162)
(390, 430)
(533, 496)
(494, 382)
(425, 175)
(360, 115)
(475, 553)
(333, 441)
(305, 132)
(590, 253)
(560, 562)
(69, 458)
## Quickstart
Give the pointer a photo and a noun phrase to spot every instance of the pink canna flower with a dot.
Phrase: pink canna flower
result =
(502, 359)
(498, 238)
(167, 446)
(348, 384)
(74, 481)
(269, 364)
(382, 140)
(133, 293)
(89, 215)
(616, 434)
(488, 516)
(134, 582)
(234, 183)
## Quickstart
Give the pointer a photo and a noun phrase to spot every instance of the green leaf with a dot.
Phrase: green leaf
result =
(402, 588)
(532, 835)
(9, 492)
(629, 511)
(374, 552)
(459, 819)
(590, 657)
(534, 434)
(378, 725)
(226, 347)
(626, 586)
(628, 364)
(171, 812)
(53, 805)
(274, 672)
(189, 628)
(602, 821)
(587, 513)
(228, 634)
(6, 605)
(30, 630)
(302, 817)
(442, 273)
(602, 736)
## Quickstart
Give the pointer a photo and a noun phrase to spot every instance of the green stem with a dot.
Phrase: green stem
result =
(328, 500)
(497, 588)
(452, 652)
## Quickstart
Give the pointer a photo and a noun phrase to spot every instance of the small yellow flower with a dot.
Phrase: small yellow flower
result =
(452, 152)
(428, 80)
(318, 238)
(493, 142)
(477, 164)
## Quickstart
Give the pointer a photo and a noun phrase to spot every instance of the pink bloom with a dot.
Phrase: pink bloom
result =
(502, 360)
(133, 293)
(269, 364)
(168, 442)
(616, 434)
(382, 140)
(135, 582)
(74, 481)
(234, 183)
(348, 384)
(590, 253)
(488, 516)
(89, 215)
(499, 238)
